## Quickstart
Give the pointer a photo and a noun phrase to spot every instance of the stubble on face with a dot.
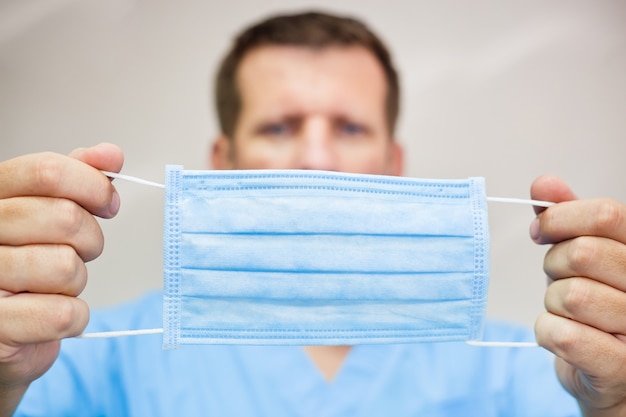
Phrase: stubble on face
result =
(313, 109)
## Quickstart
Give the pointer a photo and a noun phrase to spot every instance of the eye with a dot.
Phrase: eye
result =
(351, 129)
(275, 129)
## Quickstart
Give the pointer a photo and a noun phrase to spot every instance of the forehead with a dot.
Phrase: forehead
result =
(299, 79)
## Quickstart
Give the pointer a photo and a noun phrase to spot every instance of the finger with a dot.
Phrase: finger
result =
(43, 220)
(594, 217)
(592, 351)
(589, 302)
(598, 258)
(54, 175)
(35, 318)
(105, 156)
(46, 269)
(550, 188)
(24, 364)
(596, 397)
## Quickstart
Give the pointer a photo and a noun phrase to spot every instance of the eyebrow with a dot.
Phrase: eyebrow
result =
(289, 119)
(296, 119)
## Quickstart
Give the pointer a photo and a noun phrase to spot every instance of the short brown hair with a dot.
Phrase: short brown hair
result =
(312, 30)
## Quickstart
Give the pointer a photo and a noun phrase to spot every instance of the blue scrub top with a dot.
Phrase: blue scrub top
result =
(134, 376)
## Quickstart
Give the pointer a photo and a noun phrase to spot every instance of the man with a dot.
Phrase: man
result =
(307, 91)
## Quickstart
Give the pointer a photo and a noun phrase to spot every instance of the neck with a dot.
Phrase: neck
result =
(328, 359)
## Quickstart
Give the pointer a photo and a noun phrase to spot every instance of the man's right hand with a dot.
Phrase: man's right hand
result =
(47, 233)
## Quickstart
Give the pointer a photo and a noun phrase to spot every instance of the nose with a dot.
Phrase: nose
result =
(316, 145)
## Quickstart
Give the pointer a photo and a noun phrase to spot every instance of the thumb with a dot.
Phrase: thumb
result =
(550, 188)
(105, 156)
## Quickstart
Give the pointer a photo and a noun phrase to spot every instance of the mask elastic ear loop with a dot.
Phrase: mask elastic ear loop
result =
(140, 332)
(133, 179)
(123, 333)
(537, 203)
(118, 333)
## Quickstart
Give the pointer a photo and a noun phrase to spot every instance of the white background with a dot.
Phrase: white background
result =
(504, 90)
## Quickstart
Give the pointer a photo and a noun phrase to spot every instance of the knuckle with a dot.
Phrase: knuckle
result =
(49, 172)
(608, 216)
(69, 316)
(575, 296)
(553, 334)
(581, 253)
(70, 216)
(66, 261)
(565, 338)
(70, 270)
(64, 315)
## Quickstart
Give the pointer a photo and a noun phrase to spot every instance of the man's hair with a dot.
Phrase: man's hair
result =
(313, 30)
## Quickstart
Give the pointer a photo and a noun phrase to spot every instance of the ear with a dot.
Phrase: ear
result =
(395, 163)
(221, 153)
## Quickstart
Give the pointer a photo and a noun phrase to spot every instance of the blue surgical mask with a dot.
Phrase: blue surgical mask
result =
(322, 258)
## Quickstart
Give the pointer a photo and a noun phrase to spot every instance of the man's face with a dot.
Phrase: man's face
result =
(308, 109)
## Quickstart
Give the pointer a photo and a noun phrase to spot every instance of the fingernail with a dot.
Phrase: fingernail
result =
(534, 229)
(114, 207)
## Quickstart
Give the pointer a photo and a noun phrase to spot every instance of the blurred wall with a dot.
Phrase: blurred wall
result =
(504, 90)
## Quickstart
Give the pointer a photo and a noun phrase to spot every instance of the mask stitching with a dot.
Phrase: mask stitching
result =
(311, 175)
(337, 189)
